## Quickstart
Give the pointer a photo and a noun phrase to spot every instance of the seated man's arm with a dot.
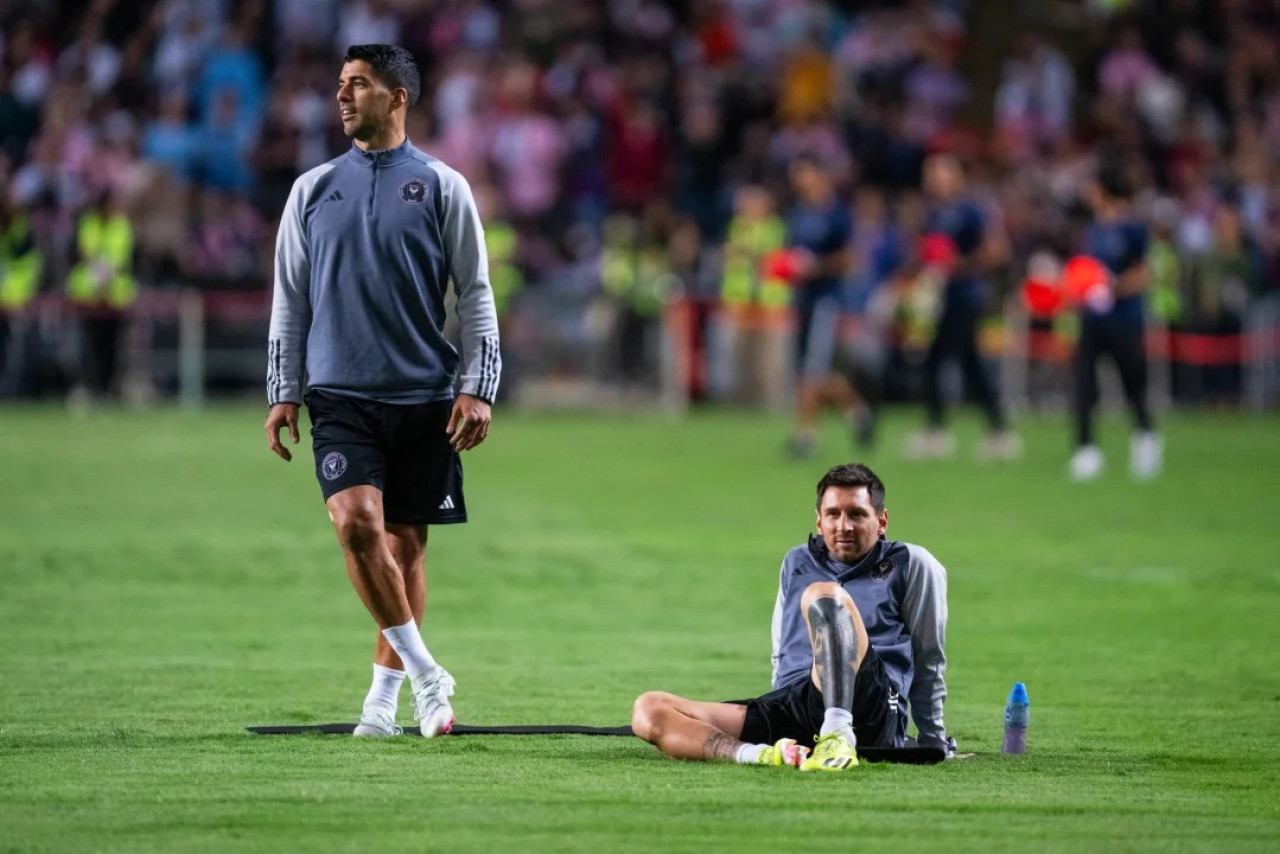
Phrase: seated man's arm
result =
(776, 628)
(924, 610)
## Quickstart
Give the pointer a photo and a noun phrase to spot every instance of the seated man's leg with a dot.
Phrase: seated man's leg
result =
(839, 641)
(689, 729)
(840, 646)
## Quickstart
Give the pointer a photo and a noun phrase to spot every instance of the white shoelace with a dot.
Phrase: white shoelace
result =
(381, 719)
(434, 694)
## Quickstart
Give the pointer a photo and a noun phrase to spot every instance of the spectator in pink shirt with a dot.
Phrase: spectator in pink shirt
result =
(1127, 66)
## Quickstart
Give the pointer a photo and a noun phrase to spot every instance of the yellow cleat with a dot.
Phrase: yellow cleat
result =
(784, 752)
(832, 752)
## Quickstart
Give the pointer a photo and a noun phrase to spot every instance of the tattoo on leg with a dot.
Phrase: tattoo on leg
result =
(720, 745)
(835, 651)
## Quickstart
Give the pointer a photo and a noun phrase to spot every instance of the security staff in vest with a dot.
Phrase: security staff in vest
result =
(755, 301)
(102, 287)
(635, 273)
(21, 264)
(368, 243)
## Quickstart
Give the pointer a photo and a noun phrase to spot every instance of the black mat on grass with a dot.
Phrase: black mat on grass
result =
(900, 755)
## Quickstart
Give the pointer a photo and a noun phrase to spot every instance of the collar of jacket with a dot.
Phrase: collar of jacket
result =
(387, 157)
(844, 571)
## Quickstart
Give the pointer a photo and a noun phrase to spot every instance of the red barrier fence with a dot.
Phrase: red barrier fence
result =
(1186, 348)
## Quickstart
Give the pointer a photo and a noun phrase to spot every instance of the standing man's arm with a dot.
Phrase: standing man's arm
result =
(924, 611)
(290, 322)
(469, 269)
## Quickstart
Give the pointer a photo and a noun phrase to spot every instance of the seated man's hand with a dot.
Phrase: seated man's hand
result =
(951, 751)
(948, 745)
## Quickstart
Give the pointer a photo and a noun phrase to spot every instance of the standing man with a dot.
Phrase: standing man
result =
(959, 222)
(860, 622)
(367, 244)
(820, 229)
(1113, 322)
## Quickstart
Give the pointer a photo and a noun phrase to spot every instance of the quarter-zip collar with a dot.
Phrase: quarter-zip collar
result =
(845, 571)
(386, 157)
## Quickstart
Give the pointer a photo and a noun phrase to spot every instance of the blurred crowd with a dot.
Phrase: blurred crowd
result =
(612, 146)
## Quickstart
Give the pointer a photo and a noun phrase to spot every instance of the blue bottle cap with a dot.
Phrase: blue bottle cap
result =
(1019, 693)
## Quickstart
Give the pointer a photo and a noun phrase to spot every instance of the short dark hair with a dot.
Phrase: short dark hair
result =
(853, 475)
(392, 64)
(1114, 182)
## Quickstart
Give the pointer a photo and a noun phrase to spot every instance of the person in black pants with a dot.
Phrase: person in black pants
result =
(1113, 322)
(957, 223)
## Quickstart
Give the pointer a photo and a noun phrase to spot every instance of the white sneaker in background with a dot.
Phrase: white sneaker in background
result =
(431, 704)
(1146, 455)
(1000, 447)
(931, 444)
(377, 723)
(1087, 463)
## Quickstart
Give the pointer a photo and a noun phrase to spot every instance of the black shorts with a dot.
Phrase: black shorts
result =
(796, 711)
(402, 449)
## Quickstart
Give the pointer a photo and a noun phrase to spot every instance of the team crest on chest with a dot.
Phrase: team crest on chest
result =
(881, 570)
(414, 191)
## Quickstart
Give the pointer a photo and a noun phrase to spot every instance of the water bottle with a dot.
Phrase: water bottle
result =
(1017, 714)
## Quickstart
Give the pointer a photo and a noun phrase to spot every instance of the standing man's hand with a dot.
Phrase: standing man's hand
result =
(282, 415)
(469, 422)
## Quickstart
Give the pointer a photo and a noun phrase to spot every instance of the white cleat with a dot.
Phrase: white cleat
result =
(1004, 446)
(1146, 456)
(376, 723)
(932, 444)
(431, 704)
(1087, 464)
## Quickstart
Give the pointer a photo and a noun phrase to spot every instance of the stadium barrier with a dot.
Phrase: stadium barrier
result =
(561, 348)
(183, 352)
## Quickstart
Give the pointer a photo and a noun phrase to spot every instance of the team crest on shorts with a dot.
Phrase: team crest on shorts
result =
(414, 191)
(881, 570)
(333, 465)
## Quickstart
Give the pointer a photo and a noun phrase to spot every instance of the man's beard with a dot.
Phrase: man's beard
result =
(364, 130)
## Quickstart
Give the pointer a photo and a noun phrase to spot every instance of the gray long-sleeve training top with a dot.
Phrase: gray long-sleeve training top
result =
(901, 593)
(366, 247)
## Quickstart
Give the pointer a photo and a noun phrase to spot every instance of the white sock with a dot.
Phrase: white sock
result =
(384, 693)
(406, 640)
(835, 719)
(749, 754)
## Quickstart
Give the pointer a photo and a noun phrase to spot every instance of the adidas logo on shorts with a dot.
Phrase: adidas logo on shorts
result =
(447, 504)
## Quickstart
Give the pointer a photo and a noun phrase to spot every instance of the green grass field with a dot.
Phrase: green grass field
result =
(167, 582)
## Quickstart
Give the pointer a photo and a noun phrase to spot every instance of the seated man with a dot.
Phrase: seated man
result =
(860, 622)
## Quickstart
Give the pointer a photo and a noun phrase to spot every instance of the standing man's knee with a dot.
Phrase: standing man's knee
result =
(358, 523)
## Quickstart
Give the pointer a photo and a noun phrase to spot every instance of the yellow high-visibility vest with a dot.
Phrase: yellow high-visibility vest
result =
(746, 245)
(640, 279)
(504, 276)
(637, 277)
(19, 270)
(106, 247)
(1166, 281)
